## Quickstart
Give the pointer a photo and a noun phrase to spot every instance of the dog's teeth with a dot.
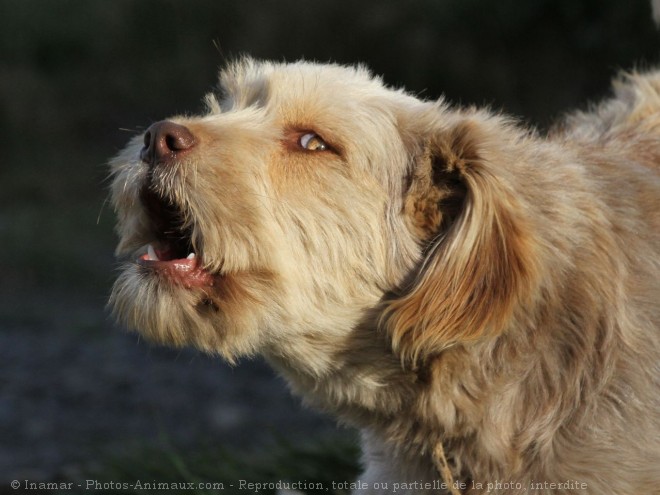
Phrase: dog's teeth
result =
(191, 256)
(151, 253)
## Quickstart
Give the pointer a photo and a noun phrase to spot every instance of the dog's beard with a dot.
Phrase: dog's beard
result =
(162, 311)
(172, 292)
(224, 319)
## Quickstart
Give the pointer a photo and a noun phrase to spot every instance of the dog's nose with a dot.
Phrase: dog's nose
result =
(166, 141)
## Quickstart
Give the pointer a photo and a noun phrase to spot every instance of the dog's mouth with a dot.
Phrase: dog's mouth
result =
(172, 254)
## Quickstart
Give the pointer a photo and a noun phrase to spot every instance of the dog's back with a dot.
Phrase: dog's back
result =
(619, 141)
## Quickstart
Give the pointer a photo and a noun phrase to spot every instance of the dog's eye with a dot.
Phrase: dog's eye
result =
(312, 142)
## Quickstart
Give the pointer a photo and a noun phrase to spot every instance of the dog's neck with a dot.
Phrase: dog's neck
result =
(358, 380)
(412, 409)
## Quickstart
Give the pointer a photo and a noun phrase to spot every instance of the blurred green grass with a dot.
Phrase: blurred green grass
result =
(323, 460)
(56, 233)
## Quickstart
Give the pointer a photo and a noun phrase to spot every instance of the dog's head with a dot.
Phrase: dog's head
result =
(308, 199)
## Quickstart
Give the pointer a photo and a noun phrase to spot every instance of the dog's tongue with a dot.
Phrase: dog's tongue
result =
(183, 271)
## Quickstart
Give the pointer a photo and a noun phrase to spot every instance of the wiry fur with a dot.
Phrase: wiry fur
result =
(440, 275)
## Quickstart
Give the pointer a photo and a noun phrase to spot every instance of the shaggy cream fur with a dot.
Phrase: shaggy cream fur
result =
(431, 275)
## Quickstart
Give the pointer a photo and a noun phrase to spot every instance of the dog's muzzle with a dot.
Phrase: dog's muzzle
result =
(172, 255)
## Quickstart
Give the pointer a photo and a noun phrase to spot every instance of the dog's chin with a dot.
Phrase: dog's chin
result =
(179, 303)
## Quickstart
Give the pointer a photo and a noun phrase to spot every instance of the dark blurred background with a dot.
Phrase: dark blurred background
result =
(78, 78)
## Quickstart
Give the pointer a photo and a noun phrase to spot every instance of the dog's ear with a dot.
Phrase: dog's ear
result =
(479, 260)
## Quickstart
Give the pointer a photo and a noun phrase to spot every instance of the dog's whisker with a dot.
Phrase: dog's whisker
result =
(98, 217)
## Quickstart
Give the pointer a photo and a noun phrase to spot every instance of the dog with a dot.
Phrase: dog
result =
(479, 299)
